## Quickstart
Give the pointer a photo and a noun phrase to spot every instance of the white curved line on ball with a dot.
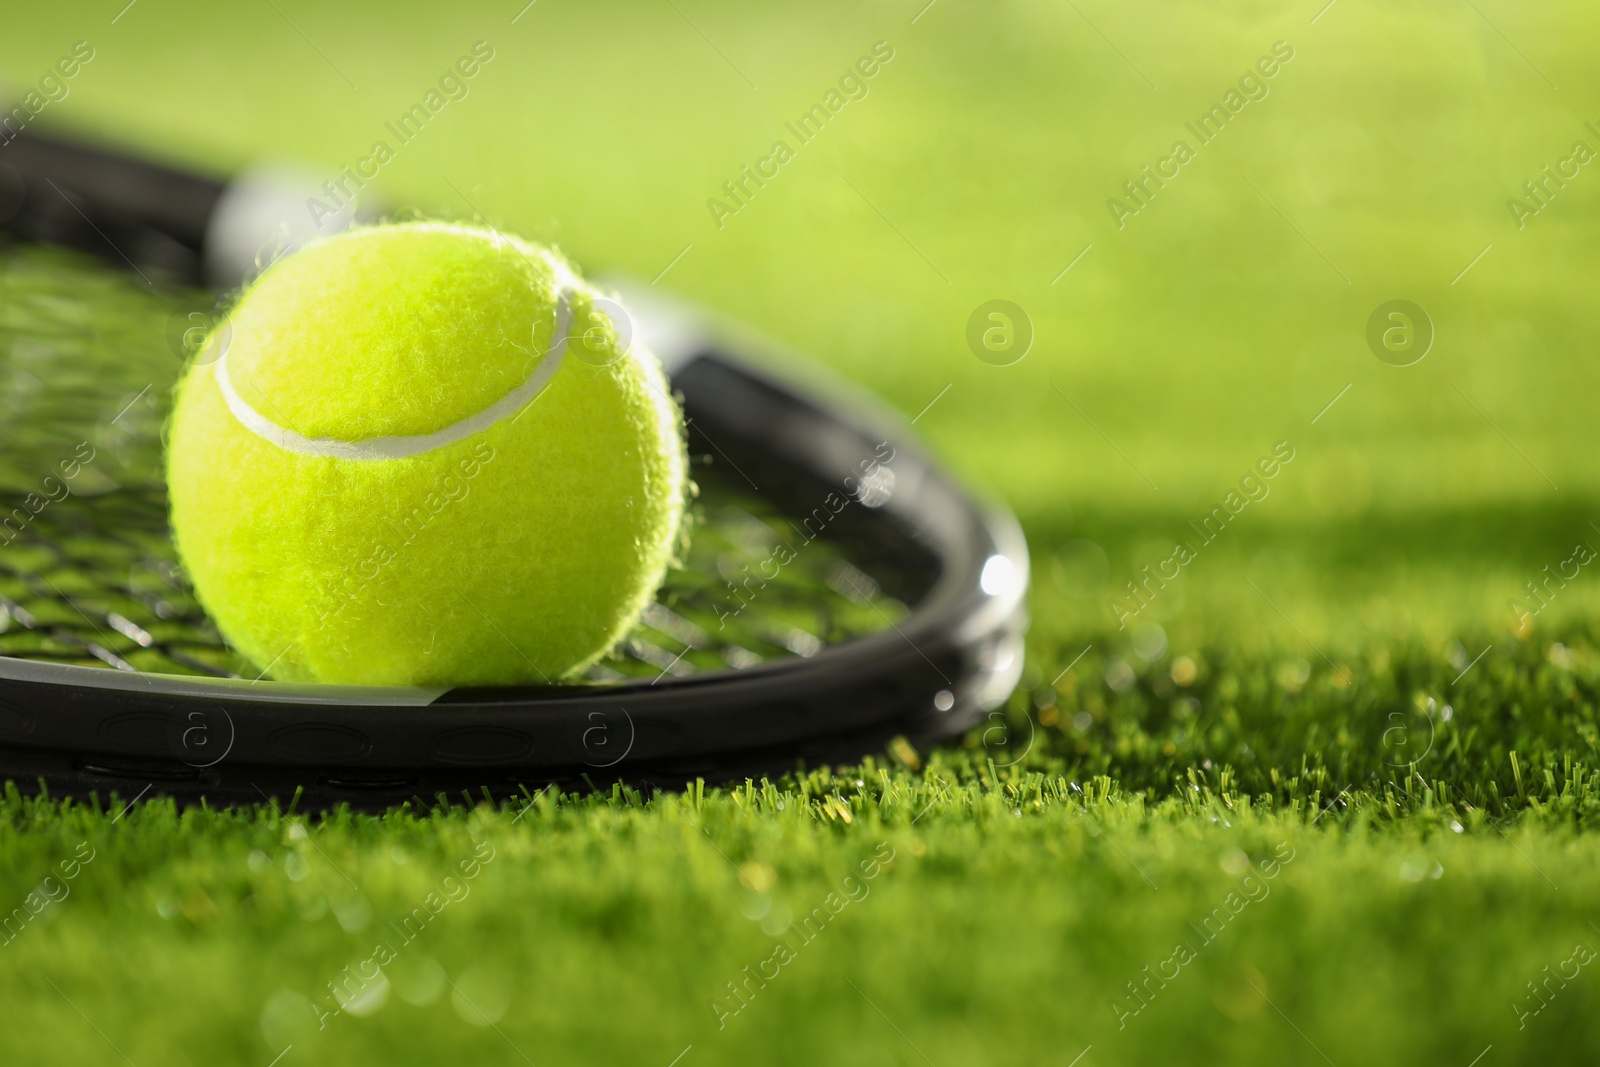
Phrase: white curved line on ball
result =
(380, 448)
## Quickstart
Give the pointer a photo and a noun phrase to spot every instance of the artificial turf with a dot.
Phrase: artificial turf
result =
(1328, 798)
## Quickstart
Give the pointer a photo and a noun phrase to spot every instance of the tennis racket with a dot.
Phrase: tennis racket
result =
(841, 590)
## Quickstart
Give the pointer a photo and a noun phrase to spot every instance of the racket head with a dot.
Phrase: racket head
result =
(839, 589)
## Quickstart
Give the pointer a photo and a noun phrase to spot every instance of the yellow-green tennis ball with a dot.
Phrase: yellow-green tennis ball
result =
(421, 454)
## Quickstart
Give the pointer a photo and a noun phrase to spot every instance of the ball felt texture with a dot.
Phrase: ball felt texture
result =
(424, 457)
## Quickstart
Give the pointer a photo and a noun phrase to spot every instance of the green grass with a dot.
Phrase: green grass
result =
(1291, 687)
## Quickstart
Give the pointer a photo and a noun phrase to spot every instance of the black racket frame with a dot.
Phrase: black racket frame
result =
(934, 675)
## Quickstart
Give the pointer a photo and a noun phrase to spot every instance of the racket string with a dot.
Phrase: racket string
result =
(89, 575)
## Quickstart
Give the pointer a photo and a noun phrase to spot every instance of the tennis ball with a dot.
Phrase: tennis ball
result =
(421, 454)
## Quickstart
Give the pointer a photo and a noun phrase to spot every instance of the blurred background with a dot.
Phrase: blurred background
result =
(1171, 347)
(1427, 468)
